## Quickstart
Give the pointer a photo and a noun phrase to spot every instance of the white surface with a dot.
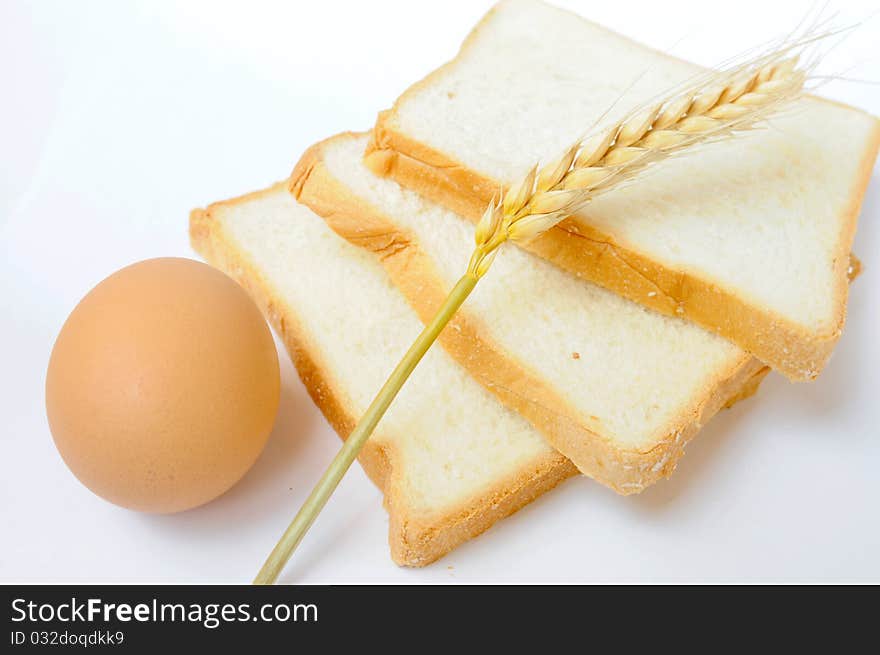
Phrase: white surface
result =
(117, 118)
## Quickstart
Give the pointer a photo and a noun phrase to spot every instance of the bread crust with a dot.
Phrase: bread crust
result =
(794, 350)
(468, 341)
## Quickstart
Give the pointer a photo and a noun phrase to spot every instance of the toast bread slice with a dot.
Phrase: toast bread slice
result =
(748, 237)
(616, 388)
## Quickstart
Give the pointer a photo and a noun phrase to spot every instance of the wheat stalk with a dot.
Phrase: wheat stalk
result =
(710, 109)
(729, 101)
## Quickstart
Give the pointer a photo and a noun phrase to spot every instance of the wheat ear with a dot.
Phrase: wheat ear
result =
(727, 102)
(724, 103)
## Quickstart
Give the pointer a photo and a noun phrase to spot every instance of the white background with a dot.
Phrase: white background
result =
(117, 118)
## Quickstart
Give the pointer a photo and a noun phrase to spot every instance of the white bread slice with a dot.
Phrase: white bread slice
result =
(749, 237)
(615, 387)
(450, 459)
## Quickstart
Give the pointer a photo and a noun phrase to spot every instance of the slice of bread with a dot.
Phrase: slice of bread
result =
(450, 459)
(748, 237)
(615, 387)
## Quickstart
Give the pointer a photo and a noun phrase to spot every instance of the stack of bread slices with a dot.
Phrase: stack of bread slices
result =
(603, 346)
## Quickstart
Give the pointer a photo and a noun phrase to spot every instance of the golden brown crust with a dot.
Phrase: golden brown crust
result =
(412, 271)
(414, 541)
(797, 352)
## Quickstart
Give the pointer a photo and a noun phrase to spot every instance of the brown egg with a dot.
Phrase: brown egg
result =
(163, 386)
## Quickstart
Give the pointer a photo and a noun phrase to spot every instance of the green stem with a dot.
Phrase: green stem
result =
(358, 437)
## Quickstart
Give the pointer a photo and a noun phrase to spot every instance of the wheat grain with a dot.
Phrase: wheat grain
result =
(726, 102)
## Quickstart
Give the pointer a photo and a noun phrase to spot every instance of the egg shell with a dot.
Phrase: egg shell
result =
(163, 386)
